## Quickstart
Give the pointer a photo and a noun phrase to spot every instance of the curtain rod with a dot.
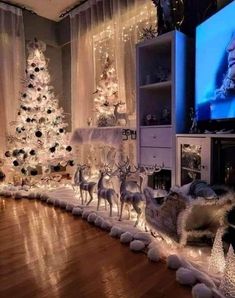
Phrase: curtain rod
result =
(18, 6)
(67, 11)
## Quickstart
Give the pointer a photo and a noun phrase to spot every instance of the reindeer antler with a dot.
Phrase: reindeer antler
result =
(149, 170)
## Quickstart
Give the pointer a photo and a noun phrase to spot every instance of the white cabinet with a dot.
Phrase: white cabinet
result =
(163, 81)
(193, 159)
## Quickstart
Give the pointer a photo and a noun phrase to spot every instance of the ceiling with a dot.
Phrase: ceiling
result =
(50, 9)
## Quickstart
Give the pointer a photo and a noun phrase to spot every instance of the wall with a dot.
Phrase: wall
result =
(56, 36)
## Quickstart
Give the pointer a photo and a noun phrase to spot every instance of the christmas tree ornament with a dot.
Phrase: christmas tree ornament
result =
(36, 69)
(34, 172)
(33, 64)
(42, 120)
(21, 151)
(32, 76)
(69, 148)
(61, 130)
(32, 152)
(48, 111)
(71, 163)
(52, 149)
(57, 168)
(30, 85)
(38, 134)
(24, 95)
(7, 153)
(23, 171)
(18, 129)
(15, 152)
(28, 120)
(15, 163)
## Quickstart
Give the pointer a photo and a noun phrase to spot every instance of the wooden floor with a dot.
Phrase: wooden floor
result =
(46, 252)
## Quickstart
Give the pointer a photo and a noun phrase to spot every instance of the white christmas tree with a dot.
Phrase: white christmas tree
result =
(217, 259)
(39, 139)
(227, 285)
(106, 95)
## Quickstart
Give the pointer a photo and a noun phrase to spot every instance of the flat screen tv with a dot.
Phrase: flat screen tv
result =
(215, 67)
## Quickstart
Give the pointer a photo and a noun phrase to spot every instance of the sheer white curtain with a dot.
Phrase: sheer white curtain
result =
(11, 66)
(99, 27)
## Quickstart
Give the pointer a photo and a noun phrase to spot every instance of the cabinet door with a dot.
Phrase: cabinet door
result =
(158, 156)
(193, 159)
(156, 137)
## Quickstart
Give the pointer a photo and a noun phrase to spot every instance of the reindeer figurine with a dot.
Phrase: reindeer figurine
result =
(83, 184)
(133, 199)
(108, 194)
(146, 171)
(119, 116)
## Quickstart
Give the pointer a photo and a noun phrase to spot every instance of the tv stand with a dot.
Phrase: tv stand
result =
(209, 157)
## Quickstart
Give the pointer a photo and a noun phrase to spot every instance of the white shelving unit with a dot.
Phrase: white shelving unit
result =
(169, 53)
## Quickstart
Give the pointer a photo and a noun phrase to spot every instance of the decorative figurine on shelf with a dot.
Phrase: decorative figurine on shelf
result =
(193, 118)
(170, 14)
(120, 118)
(148, 33)
(151, 120)
(161, 74)
(165, 116)
(89, 121)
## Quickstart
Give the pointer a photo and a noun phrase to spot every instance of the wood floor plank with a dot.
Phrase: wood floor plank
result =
(46, 252)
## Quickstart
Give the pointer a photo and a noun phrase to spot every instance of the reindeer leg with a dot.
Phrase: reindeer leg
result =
(86, 196)
(121, 210)
(117, 206)
(98, 204)
(110, 207)
(105, 204)
(139, 212)
(91, 198)
(81, 194)
(129, 211)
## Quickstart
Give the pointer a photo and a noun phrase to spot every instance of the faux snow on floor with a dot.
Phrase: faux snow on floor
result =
(190, 262)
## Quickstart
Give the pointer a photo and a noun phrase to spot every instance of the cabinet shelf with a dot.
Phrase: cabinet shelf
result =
(159, 85)
(156, 126)
(190, 169)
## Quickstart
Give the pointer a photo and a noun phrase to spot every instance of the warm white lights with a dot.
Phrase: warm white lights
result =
(217, 259)
(227, 286)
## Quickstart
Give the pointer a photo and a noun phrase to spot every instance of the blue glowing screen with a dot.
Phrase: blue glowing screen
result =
(215, 66)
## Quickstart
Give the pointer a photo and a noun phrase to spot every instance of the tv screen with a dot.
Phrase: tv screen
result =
(215, 66)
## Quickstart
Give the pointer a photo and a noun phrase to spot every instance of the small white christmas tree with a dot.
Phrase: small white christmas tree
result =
(39, 139)
(217, 259)
(227, 285)
(106, 95)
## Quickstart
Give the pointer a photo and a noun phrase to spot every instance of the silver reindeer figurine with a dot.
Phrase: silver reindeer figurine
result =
(108, 194)
(83, 184)
(119, 116)
(132, 199)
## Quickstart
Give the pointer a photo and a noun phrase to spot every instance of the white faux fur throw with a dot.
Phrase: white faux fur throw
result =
(108, 135)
